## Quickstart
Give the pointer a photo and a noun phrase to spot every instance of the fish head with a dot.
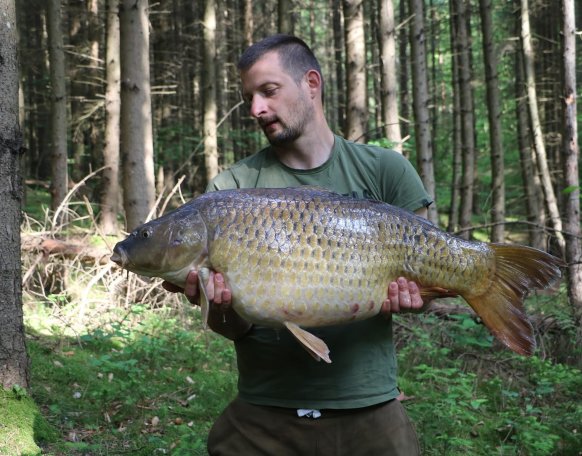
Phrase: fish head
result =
(167, 247)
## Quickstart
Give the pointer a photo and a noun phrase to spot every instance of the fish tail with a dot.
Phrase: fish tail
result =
(518, 270)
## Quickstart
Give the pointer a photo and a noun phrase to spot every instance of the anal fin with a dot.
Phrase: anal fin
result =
(430, 293)
(313, 344)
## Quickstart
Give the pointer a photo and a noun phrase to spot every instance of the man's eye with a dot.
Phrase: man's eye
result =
(270, 92)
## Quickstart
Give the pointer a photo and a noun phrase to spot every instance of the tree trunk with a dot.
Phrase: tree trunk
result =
(285, 16)
(494, 115)
(357, 106)
(536, 126)
(110, 190)
(463, 49)
(389, 92)
(571, 156)
(13, 357)
(136, 113)
(403, 88)
(420, 99)
(248, 27)
(453, 223)
(59, 165)
(536, 213)
(338, 43)
(209, 88)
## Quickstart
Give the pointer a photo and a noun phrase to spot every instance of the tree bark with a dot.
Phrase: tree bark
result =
(59, 173)
(494, 115)
(136, 113)
(357, 105)
(285, 16)
(389, 92)
(463, 48)
(571, 154)
(421, 98)
(457, 145)
(249, 26)
(110, 184)
(13, 357)
(536, 213)
(339, 45)
(403, 75)
(536, 126)
(209, 84)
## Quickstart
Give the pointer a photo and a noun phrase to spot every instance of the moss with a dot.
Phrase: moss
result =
(22, 427)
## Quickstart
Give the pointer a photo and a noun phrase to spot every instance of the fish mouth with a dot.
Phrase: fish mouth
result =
(119, 256)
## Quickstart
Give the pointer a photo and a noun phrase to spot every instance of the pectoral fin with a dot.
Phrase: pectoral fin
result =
(203, 276)
(314, 345)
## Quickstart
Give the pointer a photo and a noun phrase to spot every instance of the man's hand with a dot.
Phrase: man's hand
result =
(222, 318)
(216, 290)
(403, 296)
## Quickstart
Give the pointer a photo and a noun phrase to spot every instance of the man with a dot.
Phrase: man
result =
(289, 404)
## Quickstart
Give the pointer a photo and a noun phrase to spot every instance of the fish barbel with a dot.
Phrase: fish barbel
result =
(305, 257)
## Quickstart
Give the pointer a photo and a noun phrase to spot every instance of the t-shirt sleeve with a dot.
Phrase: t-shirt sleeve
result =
(401, 185)
(223, 181)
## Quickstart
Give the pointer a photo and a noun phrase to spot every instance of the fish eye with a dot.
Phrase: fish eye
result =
(146, 233)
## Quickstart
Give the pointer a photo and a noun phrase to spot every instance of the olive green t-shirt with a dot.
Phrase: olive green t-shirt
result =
(274, 369)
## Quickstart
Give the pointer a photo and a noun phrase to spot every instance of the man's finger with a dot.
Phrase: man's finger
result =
(391, 304)
(416, 301)
(218, 288)
(191, 286)
(404, 300)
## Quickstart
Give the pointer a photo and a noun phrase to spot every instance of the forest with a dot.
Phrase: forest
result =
(114, 112)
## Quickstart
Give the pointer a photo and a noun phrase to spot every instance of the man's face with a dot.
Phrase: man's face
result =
(281, 106)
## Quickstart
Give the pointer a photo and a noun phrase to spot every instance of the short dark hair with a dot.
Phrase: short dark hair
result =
(294, 54)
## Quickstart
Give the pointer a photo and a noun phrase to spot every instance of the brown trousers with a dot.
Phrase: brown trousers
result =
(245, 429)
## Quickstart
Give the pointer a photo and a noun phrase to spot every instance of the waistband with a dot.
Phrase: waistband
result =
(325, 413)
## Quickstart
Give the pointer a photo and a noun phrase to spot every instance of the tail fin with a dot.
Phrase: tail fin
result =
(519, 270)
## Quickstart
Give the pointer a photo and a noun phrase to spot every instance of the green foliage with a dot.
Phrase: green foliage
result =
(145, 387)
(469, 398)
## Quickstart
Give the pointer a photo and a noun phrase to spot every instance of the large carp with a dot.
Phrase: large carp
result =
(305, 257)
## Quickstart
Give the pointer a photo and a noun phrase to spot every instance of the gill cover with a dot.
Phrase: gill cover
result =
(167, 244)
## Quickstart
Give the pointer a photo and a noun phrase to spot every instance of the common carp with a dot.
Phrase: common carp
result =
(306, 257)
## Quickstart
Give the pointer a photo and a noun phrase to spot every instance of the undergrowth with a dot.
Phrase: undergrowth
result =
(471, 396)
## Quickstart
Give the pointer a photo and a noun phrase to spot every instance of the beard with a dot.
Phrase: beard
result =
(286, 136)
(291, 130)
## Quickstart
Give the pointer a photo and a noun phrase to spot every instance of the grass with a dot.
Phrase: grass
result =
(145, 384)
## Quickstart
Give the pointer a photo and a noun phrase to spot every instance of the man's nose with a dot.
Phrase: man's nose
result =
(258, 107)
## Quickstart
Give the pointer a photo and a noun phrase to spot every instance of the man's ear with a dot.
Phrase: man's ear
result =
(314, 82)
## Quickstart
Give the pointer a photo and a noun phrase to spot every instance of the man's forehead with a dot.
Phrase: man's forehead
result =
(264, 71)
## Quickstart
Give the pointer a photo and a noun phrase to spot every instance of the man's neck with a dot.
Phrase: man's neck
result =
(309, 151)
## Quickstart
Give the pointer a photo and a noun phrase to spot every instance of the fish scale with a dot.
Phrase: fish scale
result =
(306, 257)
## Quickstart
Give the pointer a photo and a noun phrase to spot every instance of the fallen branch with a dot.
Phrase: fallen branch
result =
(70, 250)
